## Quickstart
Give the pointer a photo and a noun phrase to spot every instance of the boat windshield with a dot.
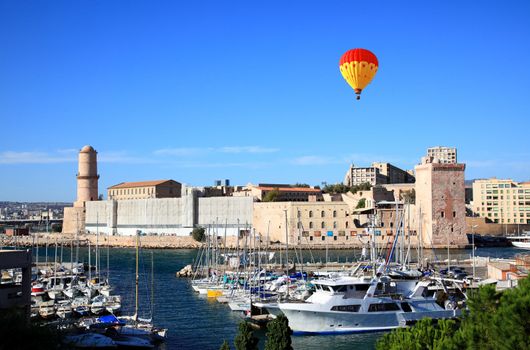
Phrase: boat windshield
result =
(340, 289)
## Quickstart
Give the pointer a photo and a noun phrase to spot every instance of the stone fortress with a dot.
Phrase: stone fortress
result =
(304, 216)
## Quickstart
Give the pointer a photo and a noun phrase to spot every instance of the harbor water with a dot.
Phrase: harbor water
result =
(193, 321)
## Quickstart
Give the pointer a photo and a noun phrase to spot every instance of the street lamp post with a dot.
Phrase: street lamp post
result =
(473, 244)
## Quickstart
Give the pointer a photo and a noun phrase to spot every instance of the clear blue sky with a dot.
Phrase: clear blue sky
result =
(251, 91)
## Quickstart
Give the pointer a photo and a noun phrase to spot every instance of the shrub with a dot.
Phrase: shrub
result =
(198, 234)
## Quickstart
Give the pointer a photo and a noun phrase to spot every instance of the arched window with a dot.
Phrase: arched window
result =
(322, 214)
(334, 213)
(310, 224)
(323, 225)
(310, 213)
(347, 224)
(334, 224)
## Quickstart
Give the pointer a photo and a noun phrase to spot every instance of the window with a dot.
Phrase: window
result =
(323, 238)
(454, 214)
(310, 213)
(322, 213)
(334, 238)
(346, 224)
(323, 225)
(334, 213)
(299, 214)
(340, 289)
(310, 238)
(442, 214)
(383, 307)
(346, 308)
(310, 224)
(334, 224)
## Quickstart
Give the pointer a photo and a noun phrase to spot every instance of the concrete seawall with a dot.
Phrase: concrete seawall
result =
(161, 242)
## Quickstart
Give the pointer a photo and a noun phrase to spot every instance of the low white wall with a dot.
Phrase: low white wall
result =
(225, 213)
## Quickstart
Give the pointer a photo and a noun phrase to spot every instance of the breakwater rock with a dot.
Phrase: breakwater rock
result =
(186, 271)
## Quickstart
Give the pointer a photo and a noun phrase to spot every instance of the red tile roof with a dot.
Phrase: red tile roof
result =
(139, 184)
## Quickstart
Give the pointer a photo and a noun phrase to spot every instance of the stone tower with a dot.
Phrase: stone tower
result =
(87, 190)
(440, 196)
(87, 176)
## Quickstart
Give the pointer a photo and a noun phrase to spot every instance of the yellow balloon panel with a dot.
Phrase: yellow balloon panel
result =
(358, 74)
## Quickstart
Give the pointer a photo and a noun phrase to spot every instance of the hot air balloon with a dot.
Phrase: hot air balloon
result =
(358, 67)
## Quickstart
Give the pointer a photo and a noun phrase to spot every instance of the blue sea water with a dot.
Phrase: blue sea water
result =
(194, 322)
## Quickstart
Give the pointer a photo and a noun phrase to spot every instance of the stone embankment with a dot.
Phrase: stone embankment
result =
(161, 242)
(149, 242)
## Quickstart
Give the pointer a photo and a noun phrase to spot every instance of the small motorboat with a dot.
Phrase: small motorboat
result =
(37, 290)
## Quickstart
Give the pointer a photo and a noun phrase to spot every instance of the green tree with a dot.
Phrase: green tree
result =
(198, 234)
(279, 334)
(225, 346)
(365, 186)
(272, 196)
(493, 321)
(361, 203)
(301, 185)
(408, 196)
(335, 188)
(426, 334)
(245, 339)
(512, 320)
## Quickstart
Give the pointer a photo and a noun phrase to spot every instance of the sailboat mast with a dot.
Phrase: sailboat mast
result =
(286, 245)
(152, 286)
(37, 252)
(77, 237)
(89, 263)
(97, 246)
(108, 257)
(55, 265)
(137, 278)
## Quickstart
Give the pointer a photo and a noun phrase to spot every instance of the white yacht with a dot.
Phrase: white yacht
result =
(521, 241)
(360, 304)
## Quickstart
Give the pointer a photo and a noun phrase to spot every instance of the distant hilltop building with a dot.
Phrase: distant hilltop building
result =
(502, 201)
(145, 189)
(442, 155)
(377, 174)
(87, 190)
(286, 193)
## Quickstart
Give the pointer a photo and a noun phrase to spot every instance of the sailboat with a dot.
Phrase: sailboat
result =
(136, 326)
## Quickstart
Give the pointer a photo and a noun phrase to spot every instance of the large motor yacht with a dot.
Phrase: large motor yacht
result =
(361, 304)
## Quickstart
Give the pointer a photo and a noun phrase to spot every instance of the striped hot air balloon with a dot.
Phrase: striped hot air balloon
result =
(358, 67)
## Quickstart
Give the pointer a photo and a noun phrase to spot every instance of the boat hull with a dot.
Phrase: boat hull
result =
(522, 245)
(310, 322)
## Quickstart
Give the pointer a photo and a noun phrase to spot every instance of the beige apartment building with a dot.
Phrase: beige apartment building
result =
(443, 155)
(502, 201)
(145, 190)
(377, 174)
